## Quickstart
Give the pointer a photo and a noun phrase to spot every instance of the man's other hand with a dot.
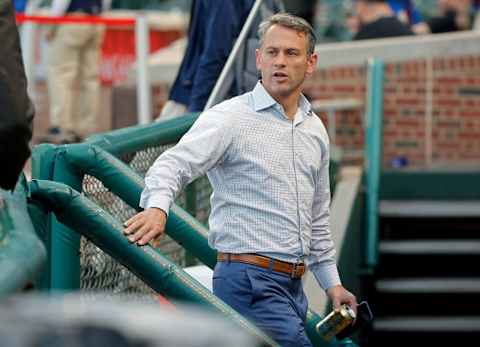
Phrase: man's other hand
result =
(146, 226)
(340, 295)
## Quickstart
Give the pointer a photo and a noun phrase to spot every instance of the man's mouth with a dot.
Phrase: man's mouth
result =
(280, 76)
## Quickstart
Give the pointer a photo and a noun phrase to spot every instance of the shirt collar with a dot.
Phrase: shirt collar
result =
(262, 100)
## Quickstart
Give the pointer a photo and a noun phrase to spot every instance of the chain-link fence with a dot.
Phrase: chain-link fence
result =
(98, 271)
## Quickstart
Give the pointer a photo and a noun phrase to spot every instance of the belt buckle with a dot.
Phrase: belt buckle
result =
(295, 268)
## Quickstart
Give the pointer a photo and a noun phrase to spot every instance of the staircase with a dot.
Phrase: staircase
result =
(426, 288)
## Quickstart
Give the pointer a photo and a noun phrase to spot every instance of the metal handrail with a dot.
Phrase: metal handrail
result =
(373, 155)
(214, 95)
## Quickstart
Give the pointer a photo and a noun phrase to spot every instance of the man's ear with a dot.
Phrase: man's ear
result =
(312, 63)
(258, 59)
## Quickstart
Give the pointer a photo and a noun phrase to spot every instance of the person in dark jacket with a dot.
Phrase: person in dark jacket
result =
(214, 26)
(377, 20)
(16, 110)
(454, 15)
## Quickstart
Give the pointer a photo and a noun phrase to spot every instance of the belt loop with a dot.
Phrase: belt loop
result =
(270, 264)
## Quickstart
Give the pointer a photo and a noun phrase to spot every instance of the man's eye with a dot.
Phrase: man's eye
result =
(292, 53)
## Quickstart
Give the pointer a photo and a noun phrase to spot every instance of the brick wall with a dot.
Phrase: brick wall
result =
(443, 94)
(454, 87)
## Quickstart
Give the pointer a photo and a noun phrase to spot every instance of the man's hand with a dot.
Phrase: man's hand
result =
(340, 295)
(146, 226)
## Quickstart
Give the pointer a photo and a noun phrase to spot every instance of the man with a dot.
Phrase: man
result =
(73, 60)
(266, 155)
(16, 110)
(377, 20)
(454, 15)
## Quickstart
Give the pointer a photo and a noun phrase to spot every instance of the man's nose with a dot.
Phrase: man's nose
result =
(280, 60)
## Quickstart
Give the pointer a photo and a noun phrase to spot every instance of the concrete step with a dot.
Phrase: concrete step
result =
(428, 209)
(430, 247)
(429, 286)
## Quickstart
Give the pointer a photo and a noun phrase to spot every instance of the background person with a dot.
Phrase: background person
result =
(72, 72)
(214, 26)
(376, 19)
(406, 11)
(267, 156)
(454, 15)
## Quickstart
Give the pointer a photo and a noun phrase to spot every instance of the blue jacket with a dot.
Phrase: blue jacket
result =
(409, 7)
(214, 26)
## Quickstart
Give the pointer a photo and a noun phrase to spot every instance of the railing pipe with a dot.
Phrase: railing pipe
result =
(373, 155)
(157, 271)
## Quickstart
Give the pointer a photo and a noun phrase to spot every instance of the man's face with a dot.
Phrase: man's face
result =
(283, 61)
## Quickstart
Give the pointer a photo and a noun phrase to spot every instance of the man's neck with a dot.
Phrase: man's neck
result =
(290, 107)
(289, 104)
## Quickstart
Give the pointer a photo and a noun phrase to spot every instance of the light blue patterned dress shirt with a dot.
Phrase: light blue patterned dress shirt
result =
(269, 176)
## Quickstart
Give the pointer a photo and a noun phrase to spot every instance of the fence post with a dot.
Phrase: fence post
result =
(373, 155)
(63, 244)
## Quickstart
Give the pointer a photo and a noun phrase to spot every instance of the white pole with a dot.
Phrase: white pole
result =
(142, 43)
(212, 100)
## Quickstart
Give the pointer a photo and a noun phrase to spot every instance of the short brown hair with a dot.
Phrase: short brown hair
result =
(290, 21)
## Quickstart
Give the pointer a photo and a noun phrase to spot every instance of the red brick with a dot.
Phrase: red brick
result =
(449, 102)
(471, 135)
(347, 89)
(439, 64)
(390, 133)
(391, 112)
(409, 101)
(390, 69)
(469, 103)
(448, 80)
(472, 113)
(411, 123)
(420, 133)
(390, 89)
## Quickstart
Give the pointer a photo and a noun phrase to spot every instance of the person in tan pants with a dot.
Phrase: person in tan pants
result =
(73, 82)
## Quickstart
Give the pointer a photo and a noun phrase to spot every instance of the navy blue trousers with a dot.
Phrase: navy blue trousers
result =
(275, 302)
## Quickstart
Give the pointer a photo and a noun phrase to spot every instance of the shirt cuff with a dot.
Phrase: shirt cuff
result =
(158, 202)
(326, 274)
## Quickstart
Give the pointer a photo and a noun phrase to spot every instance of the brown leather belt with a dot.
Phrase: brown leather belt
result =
(294, 270)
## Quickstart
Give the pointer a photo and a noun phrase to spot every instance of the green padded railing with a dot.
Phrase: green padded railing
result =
(138, 147)
(80, 214)
(22, 254)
